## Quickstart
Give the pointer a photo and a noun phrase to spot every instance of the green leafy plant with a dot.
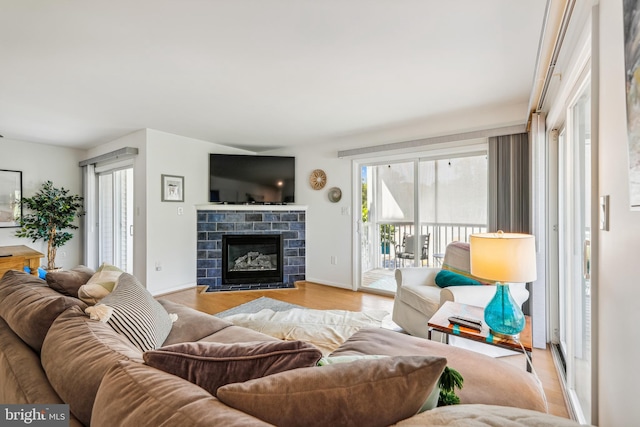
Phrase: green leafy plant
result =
(53, 211)
(448, 382)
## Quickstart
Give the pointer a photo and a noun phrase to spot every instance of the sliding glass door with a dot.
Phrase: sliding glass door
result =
(115, 218)
(574, 248)
(412, 208)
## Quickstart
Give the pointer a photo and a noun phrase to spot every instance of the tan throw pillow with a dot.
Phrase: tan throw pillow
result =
(212, 365)
(133, 312)
(376, 392)
(67, 282)
(100, 284)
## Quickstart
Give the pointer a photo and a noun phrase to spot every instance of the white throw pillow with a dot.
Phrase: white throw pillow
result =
(100, 284)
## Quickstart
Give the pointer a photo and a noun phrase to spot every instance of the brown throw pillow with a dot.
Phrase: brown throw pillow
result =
(29, 306)
(212, 365)
(67, 282)
(377, 392)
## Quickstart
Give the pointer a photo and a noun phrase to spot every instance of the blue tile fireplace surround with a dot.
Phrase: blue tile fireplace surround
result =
(215, 221)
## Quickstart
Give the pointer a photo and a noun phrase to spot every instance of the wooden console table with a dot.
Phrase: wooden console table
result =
(18, 257)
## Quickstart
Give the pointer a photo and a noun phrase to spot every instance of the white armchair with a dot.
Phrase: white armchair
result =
(418, 297)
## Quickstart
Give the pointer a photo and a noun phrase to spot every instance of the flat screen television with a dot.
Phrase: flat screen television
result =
(239, 179)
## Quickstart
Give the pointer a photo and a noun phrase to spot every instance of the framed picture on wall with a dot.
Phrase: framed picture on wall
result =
(632, 86)
(10, 198)
(172, 188)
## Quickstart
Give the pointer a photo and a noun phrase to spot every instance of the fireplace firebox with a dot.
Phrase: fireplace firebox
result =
(252, 258)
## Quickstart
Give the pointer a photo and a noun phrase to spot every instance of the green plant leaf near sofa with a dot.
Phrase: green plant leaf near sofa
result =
(449, 381)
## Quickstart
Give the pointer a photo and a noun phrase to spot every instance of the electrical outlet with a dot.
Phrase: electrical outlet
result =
(158, 266)
(180, 210)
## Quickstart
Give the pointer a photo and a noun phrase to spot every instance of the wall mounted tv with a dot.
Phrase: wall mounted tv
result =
(237, 178)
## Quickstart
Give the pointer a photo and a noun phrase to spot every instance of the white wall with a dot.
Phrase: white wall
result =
(38, 164)
(329, 232)
(171, 238)
(619, 269)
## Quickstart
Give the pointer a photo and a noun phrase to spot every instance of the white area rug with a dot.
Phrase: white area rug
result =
(326, 329)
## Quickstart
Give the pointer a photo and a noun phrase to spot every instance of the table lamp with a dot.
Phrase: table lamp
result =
(504, 258)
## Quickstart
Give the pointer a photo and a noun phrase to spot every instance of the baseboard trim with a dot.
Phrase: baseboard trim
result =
(161, 292)
(326, 283)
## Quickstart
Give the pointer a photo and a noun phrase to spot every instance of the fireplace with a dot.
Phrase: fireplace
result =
(285, 222)
(252, 258)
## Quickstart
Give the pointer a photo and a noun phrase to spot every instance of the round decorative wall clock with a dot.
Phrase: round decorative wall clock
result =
(318, 179)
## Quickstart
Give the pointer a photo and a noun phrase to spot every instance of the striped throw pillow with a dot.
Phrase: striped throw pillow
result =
(131, 311)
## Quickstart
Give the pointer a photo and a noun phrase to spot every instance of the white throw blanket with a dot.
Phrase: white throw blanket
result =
(326, 329)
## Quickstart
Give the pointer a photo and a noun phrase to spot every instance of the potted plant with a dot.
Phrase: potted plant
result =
(449, 381)
(53, 210)
(387, 237)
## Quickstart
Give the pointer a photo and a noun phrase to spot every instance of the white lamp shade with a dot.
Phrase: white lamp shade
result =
(503, 257)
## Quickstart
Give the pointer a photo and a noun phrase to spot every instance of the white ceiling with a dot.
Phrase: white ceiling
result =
(260, 74)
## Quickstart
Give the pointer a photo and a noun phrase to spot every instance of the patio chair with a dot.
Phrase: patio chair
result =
(406, 250)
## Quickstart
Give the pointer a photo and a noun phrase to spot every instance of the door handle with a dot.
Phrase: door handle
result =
(586, 259)
(131, 230)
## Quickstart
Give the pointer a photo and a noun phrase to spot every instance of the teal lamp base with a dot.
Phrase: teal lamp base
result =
(503, 315)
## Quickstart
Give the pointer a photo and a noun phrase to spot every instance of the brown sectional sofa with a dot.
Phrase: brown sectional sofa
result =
(52, 352)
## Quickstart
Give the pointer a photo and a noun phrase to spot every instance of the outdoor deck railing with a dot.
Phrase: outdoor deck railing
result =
(440, 235)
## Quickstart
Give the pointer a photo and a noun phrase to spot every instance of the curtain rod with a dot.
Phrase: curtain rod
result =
(416, 143)
(121, 154)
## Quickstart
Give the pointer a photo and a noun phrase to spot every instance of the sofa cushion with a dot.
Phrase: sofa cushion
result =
(496, 383)
(133, 312)
(446, 278)
(76, 354)
(29, 306)
(23, 380)
(133, 394)
(486, 416)
(100, 284)
(376, 392)
(191, 325)
(67, 282)
(212, 365)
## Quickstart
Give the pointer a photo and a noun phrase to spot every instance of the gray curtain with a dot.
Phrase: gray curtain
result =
(509, 186)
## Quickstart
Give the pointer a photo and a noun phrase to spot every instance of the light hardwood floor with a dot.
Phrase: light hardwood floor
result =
(322, 297)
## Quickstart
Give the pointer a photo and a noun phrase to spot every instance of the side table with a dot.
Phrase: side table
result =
(440, 322)
(23, 255)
